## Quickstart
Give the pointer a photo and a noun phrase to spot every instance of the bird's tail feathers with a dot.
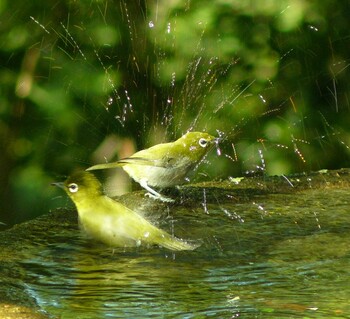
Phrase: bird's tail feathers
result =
(105, 166)
(177, 244)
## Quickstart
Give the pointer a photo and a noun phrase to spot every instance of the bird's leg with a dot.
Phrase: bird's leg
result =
(153, 194)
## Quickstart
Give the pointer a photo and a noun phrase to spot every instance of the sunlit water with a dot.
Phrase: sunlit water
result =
(278, 256)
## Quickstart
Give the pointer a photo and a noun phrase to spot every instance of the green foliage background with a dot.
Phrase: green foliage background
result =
(270, 76)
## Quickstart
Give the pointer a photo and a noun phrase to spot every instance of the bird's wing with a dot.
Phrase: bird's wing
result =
(166, 161)
(137, 228)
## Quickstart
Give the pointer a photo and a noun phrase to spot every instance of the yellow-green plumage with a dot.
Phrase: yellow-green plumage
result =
(111, 222)
(167, 164)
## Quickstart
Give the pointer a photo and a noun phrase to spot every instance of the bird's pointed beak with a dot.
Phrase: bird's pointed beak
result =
(60, 184)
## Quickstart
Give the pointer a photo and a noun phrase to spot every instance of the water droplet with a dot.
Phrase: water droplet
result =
(173, 79)
(110, 101)
(146, 234)
(313, 28)
(262, 98)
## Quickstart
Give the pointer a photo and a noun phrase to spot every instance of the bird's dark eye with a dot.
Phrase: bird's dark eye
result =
(203, 142)
(73, 188)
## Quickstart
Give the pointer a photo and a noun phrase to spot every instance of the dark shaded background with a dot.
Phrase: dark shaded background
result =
(85, 81)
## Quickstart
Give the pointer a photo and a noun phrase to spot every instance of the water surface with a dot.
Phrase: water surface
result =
(274, 256)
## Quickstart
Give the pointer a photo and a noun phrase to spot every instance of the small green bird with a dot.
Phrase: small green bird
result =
(165, 165)
(111, 222)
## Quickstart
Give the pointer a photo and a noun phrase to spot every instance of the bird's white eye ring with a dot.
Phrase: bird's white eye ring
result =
(203, 142)
(73, 188)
